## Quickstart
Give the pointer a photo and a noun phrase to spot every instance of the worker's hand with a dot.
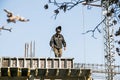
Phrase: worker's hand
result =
(64, 48)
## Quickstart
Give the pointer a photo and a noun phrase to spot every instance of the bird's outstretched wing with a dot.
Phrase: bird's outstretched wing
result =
(22, 19)
(7, 11)
(3, 28)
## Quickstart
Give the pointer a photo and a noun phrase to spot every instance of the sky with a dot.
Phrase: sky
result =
(41, 27)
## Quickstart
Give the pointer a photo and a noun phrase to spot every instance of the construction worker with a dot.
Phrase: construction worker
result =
(57, 42)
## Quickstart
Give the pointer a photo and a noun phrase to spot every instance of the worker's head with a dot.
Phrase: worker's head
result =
(58, 29)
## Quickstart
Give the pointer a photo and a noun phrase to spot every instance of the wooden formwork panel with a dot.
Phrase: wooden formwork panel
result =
(69, 63)
(56, 63)
(21, 62)
(5, 62)
(37, 62)
(63, 63)
(13, 62)
(50, 63)
(28, 63)
(42, 63)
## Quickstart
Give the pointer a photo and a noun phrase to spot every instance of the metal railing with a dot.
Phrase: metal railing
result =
(97, 68)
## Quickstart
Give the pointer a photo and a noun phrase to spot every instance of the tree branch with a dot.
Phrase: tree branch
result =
(96, 28)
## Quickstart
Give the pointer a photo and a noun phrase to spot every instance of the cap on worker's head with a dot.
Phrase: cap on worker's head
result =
(58, 28)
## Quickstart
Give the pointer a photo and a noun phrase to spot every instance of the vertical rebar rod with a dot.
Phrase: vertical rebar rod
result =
(31, 49)
(34, 49)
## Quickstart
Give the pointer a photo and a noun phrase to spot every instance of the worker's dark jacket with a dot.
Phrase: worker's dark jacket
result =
(57, 41)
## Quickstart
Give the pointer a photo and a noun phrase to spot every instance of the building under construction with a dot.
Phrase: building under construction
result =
(42, 69)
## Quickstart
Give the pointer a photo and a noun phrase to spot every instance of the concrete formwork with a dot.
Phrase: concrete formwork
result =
(41, 68)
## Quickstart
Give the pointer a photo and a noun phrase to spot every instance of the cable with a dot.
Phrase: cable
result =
(84, 39)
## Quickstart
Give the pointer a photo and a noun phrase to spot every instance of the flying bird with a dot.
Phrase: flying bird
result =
(3, 28)
(13, 18)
